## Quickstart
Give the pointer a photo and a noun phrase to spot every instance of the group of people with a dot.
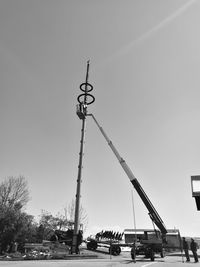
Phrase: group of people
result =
(193, 247)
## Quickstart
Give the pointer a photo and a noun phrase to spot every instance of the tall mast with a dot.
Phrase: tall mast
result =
(84, 100)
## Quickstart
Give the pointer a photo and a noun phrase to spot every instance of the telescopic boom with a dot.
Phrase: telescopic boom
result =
(152, 211)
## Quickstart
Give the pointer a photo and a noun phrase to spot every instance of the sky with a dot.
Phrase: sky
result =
(144, 67)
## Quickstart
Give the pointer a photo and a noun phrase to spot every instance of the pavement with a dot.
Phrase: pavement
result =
(101, 258)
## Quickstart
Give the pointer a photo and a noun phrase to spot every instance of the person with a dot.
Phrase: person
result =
(133, 252)
(186, 249)
(193, 247)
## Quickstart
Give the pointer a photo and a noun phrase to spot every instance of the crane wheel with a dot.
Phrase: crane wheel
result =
(162, 254)
(152, 255)
(115, 250)
(92, 245)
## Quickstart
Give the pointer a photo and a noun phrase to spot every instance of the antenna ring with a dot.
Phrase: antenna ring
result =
(86, 95)
(86, 85)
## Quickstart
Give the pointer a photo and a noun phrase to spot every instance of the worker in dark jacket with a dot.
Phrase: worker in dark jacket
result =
(193, 247)
(186, 249)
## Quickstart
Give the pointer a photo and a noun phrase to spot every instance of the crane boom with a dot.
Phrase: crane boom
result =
(152, 211)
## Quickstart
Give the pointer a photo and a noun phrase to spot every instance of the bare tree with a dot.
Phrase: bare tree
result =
(14, 191)
(58, 222)
(70, 213)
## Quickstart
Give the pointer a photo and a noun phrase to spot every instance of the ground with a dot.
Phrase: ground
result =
(99, 259)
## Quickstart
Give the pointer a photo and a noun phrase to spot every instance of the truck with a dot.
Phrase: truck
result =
(150, 244)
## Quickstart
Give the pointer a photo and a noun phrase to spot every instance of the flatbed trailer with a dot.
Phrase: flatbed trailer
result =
(114, 247)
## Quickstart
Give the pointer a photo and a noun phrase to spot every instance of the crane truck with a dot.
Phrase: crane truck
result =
(148, 245)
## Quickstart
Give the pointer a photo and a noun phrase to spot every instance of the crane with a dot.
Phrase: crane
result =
(152, 211)
(148, 247)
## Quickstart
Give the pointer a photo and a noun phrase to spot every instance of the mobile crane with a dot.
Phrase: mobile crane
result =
(147, 246)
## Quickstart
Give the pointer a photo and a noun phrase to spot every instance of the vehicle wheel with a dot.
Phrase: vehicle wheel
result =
(152, 255)
(147, 255)
(92, 245)
(110, 250)
(162, 254)
(118, 250)
(114, 250)
(89, 246)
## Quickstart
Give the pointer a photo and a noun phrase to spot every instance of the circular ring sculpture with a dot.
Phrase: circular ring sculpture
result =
(86, 87)
(83, 98)
(92, 99)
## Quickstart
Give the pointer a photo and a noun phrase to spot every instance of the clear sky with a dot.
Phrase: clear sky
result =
(145, 63)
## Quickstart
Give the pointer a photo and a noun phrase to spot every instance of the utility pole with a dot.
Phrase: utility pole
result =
(84, 100)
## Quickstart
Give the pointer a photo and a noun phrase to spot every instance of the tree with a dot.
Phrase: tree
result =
(14, 191)
(49, 223)
(70, 213)
(25, 230)
(13, 197)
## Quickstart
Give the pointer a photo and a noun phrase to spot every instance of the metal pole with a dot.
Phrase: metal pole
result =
(78, 190)
(134, 220)
(84, 100)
